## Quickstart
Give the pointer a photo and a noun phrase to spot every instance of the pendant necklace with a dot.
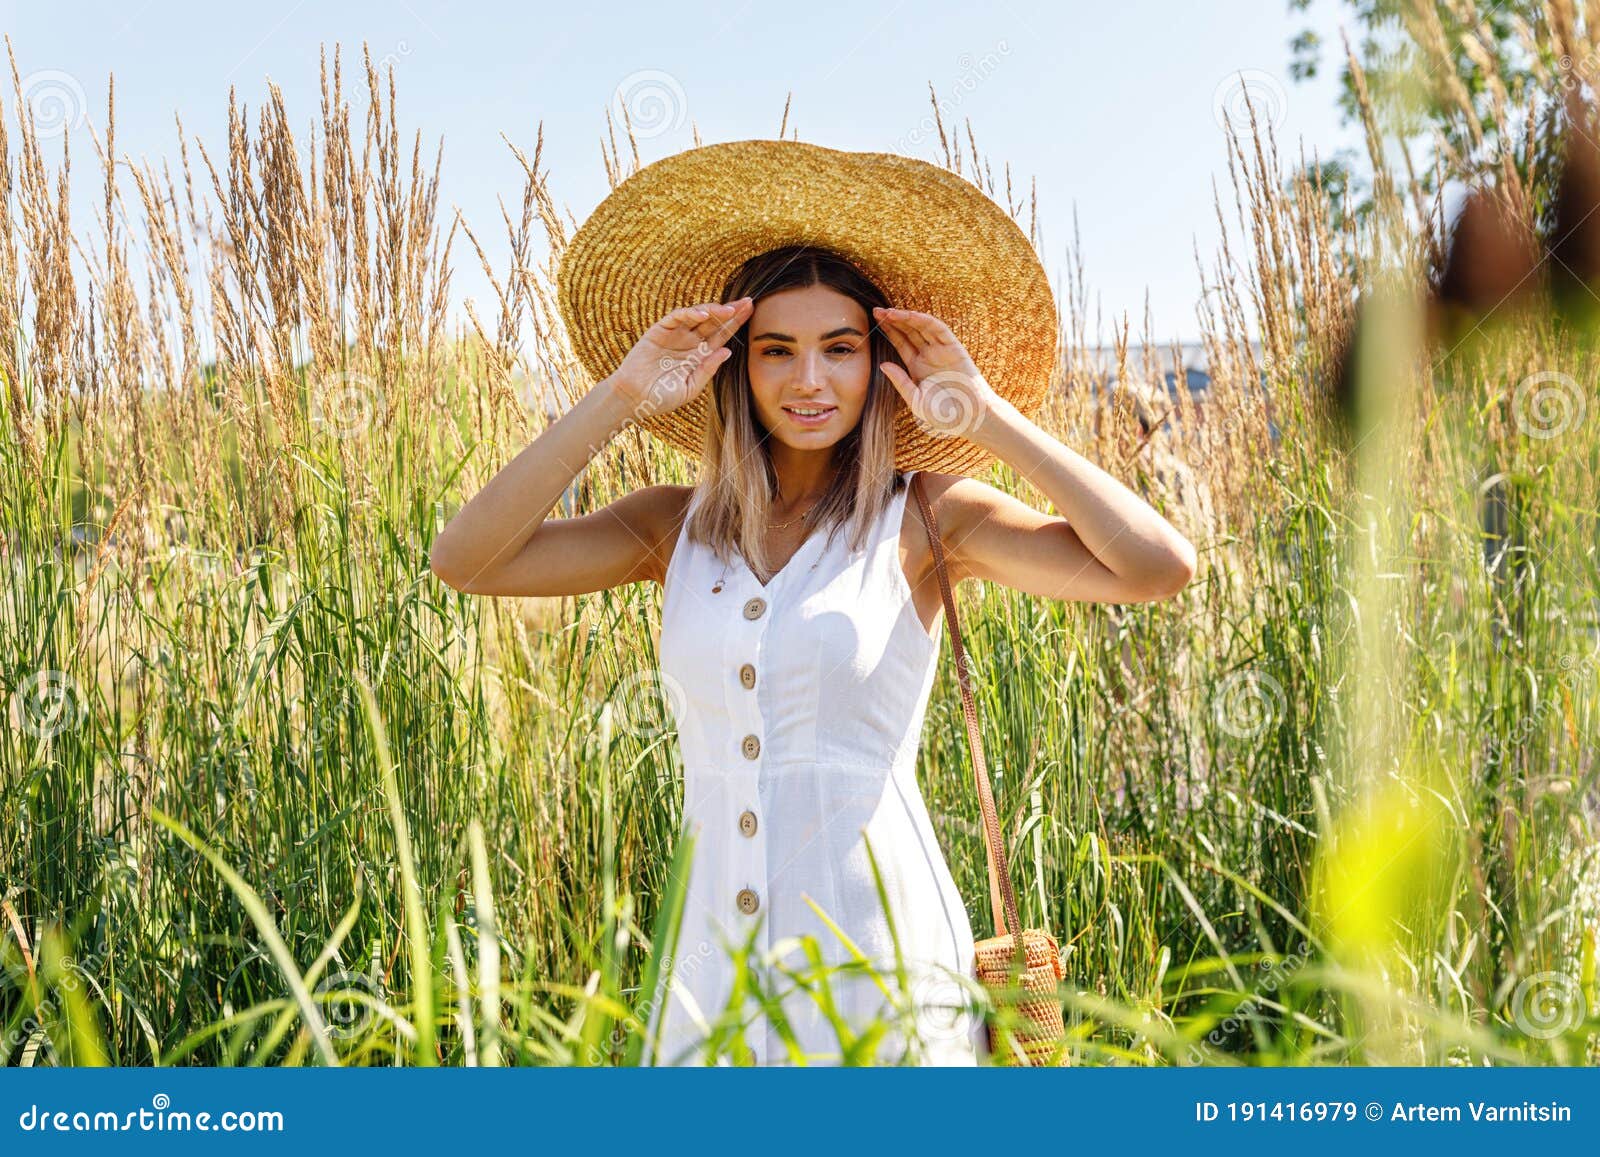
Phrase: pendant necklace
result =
(772, 525)
(722, 578)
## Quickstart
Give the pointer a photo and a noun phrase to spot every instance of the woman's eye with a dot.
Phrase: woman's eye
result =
(843, 349)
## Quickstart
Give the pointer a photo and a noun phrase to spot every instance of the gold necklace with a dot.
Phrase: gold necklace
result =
(792, 521)
(801, 518)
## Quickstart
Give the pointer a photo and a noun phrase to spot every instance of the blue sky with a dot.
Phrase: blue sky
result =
(1112, 107)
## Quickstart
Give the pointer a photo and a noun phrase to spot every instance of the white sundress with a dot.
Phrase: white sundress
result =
(799, 707)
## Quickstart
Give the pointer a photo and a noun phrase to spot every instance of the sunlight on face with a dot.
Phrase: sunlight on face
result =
(810, 364)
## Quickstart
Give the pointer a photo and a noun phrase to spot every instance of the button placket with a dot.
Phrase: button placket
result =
(746, 738)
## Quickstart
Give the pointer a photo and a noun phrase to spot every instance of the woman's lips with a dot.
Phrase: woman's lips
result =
(812, 420)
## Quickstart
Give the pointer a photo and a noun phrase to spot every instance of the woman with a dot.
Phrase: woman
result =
(799, 634)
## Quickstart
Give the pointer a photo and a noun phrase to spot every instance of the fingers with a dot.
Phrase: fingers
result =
(709, 317)
(903, 345)
(900, 379)
(706, 367)
(725, 319)
(926, 329)
(908, 344)
(680, 318)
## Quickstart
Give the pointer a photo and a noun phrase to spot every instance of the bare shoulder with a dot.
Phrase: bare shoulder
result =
(958, 498)
(952, 500)
(971, 515)
(960, 504)
(654, 514)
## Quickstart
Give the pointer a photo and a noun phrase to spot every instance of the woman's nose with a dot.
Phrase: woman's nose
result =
(813, 370)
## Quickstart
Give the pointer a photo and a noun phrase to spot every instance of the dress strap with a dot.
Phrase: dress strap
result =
(682, 544)
(894, 511)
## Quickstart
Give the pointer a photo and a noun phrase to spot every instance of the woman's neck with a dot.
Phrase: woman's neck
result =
(803, 476)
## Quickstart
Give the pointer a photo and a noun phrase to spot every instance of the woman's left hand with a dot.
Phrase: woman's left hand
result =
(940, 383)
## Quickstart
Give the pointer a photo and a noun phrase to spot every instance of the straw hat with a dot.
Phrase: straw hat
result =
(674, 232)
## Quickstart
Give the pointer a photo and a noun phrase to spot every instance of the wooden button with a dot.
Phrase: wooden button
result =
(747, 676)
(751, 747)
(755, 608)
(747, 900)
(747, 822)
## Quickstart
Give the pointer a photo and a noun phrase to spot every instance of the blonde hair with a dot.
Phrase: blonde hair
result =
(737, 481)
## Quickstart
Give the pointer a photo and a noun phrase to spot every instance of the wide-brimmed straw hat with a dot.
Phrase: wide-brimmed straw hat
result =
(673, 233)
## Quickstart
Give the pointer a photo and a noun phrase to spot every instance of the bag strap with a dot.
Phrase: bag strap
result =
(1002, 899)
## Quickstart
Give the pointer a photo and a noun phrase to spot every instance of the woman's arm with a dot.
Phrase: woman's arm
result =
(1109, 545)
(502, 543)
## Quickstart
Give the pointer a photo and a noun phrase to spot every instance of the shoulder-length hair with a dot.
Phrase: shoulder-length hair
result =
(737, 483)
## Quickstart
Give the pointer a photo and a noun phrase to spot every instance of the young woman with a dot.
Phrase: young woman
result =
(800, 630)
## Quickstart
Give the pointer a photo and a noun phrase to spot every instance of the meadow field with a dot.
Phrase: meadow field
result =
(273, 794)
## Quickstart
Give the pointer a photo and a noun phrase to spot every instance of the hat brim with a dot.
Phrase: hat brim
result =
(675, 231)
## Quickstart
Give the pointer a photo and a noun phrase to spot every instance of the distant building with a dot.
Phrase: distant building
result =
(1180, 367)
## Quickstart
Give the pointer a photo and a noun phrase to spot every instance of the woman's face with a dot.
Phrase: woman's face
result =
(810, 364)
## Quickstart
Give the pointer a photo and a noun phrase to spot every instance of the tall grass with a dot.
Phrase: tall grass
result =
(276, 796)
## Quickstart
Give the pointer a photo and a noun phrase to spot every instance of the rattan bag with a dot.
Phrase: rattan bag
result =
(1019, 976)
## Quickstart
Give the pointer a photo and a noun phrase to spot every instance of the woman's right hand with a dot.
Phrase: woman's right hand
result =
(676, 357)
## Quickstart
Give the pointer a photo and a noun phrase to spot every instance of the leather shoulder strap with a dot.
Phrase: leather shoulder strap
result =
(1002, 898)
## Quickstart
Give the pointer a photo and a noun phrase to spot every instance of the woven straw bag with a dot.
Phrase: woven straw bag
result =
(1021, 976)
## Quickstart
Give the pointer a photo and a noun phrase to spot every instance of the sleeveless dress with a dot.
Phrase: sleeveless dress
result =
(799, 708)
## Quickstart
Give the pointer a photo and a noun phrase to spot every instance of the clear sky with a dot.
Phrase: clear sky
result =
(1113, 107)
